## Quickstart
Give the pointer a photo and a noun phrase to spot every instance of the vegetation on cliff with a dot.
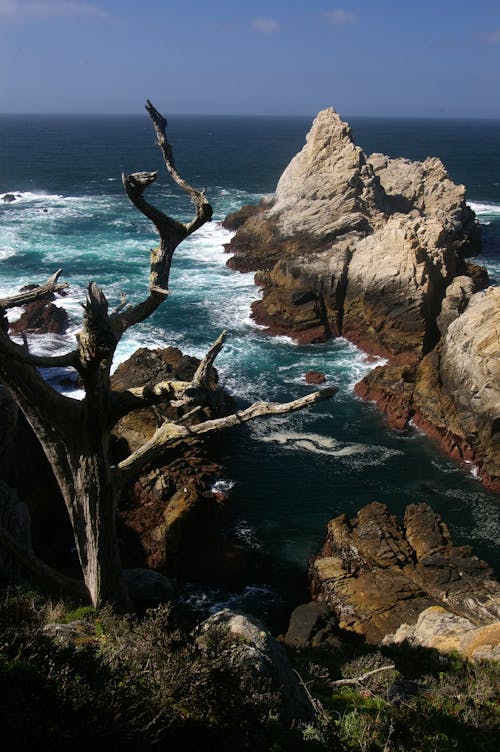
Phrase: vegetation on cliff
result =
(70, 679)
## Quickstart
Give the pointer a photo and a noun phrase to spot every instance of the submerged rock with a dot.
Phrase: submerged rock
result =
(376, 574)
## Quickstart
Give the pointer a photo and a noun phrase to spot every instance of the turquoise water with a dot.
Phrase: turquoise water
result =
(290, 475)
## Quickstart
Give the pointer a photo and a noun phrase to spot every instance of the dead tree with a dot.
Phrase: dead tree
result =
(75, 434)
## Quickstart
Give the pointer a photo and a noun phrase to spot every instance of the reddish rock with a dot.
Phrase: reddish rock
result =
(315, 377)
(41, 317)
(391, 388)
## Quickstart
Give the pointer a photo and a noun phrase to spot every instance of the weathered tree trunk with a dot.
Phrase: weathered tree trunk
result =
(75, 435)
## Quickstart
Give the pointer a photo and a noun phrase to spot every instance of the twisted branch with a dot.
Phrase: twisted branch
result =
(170, 230)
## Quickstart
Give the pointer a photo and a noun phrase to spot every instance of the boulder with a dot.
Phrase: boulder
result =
(260, 656)
(310, 625)
(8, 198)
(148, 587)
(41, 317)
(443, 630)
(376, 574)
(315, 377)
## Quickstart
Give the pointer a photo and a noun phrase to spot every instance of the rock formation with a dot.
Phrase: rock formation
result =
(376, 575)
(170, 506)
(454, 392)
(355, 245)
(374, 249)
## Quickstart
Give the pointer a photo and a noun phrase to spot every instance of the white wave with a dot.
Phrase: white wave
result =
(222, 486)
(485, 209)
(211, 600)
(247, 534)
(362, 454)
(6, 253)
(485, 518)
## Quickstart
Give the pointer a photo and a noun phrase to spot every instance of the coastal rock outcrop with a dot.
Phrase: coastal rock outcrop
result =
(453, 394)
(170, 507)
(374, 249)
(355, 245)
(41, 317)
(376, 574)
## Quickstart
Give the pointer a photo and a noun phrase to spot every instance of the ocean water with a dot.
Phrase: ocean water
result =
(288, 476)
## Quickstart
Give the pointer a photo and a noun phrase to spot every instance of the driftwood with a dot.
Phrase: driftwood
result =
(363, 677)
(75, 434)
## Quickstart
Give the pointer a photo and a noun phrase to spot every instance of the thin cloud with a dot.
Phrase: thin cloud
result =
(340, 17)
(492, 37)
(16, 10)
(264, 25)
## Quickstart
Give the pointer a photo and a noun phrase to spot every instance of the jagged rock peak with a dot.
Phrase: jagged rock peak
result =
(328, 188)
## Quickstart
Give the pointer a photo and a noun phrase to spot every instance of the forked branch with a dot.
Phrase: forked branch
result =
(171, 231)
(178, 393)
(203, 208)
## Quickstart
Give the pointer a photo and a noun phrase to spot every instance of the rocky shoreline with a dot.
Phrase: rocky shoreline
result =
(390, 581)
(375, 250)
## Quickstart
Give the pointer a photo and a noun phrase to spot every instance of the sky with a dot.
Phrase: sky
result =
(438, 58)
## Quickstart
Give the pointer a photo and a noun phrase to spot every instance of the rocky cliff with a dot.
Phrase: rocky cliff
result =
(375, 249)
(355, 245)
(381, 578)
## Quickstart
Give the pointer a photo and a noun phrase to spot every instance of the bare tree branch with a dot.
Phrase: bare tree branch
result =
(41, 291)
(19, 353)
(363, 677)
(170, 434)
(201, 376)
(203, 208)
(124, 402)
(170, 230)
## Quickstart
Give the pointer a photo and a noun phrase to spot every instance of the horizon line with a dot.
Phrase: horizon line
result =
(251, 115)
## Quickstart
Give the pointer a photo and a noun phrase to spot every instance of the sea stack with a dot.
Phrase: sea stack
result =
(375, 249)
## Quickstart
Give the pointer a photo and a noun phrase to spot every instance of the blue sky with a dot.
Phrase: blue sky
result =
(280, 57)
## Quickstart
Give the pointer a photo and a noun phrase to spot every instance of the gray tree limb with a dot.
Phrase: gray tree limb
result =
(171, 434)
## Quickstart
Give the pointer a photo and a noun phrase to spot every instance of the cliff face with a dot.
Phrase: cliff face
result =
(374, 249)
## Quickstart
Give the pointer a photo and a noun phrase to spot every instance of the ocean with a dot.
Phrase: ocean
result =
(288, 476)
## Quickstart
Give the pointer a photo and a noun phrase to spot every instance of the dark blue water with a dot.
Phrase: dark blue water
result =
(291, 475)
